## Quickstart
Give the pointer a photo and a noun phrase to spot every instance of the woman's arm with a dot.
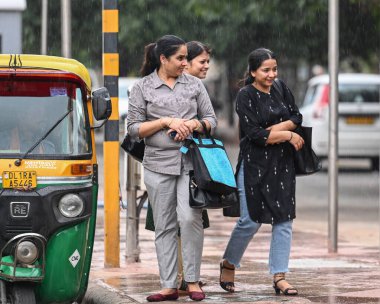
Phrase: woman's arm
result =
(205, 110)
(276, 137)
(249, 119)
(249, 122)
(287, 125)
(193, 125)
(181, 126)
(205, 113)
(136, 114)
(137, 125)
(281, 132)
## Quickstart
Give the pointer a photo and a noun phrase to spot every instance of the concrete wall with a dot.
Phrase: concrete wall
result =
(10, 32)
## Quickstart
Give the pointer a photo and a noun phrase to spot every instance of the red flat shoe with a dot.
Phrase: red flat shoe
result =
(196, 295)
(159, 297)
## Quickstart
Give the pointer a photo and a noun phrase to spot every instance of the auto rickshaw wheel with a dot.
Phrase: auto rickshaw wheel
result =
(22, 293)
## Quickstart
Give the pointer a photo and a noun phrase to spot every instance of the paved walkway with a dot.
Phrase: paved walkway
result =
(351, 276)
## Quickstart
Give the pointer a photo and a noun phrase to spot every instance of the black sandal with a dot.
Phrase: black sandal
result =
(285, 291)
(227, 286)
(183, 285)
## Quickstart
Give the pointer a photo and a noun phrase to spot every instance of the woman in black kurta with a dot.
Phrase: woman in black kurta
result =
(269, 174)
(265, 171)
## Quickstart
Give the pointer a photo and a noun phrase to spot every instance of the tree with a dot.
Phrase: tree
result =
(295, 29)
(86, 26)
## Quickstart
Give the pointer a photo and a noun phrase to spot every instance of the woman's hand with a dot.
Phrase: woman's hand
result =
(183, 127)
(296, 140)
(287, 125)
(193, 124)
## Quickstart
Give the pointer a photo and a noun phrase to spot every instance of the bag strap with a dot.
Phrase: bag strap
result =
(277, 85)
(188, 141)
(206, 132)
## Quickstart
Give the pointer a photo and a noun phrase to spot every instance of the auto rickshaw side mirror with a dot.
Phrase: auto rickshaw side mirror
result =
(101, 104)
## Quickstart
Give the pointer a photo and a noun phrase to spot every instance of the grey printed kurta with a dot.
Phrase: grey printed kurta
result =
(269, 174)
(152, 99)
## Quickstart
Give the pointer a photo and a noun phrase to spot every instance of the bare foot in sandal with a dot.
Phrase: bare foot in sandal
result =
(281, 285)
(227, 276)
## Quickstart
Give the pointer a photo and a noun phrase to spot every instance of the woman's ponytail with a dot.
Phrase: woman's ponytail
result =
(248, 78)
(150, 62)
(167, 45)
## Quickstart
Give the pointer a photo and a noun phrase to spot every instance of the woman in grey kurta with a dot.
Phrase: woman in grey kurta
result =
(163, 101)
(266, 174)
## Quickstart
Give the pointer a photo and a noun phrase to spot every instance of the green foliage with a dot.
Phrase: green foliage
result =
(297, 30)
(86, 23)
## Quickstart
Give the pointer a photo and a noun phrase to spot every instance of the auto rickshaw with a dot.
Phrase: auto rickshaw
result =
(49, 178)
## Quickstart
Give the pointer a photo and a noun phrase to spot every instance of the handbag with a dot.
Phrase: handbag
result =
(232, 211)
(203, 199)
(212, 167)
(305, 160)
(133, 147)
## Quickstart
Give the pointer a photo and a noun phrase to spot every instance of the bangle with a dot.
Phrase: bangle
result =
(170, 122)
(291, 136)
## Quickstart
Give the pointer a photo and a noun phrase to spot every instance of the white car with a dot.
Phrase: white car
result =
(125, 85)
(358, 115)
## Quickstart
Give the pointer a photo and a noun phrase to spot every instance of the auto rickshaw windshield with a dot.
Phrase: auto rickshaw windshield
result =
(25, 118)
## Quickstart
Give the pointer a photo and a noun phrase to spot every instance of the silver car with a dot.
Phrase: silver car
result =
(358, 115)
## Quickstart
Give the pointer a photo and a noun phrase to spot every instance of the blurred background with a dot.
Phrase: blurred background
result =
(297, 30)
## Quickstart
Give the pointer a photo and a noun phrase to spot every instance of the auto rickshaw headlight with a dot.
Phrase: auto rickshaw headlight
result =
(71, 205)
(26, 252)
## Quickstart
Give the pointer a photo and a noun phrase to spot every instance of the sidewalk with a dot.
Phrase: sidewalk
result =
(351, 276)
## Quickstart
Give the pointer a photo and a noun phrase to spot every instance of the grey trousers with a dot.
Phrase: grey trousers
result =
(169, 197)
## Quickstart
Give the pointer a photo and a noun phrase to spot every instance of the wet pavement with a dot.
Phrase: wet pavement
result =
(350, 276)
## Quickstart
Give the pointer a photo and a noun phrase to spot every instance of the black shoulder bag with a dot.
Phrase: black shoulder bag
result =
(305, 160)
(133, 147)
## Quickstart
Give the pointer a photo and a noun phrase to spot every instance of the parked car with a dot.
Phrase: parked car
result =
(358, 115)
(125, 85)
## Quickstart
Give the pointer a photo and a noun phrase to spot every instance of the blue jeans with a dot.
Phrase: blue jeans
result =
(245, 229)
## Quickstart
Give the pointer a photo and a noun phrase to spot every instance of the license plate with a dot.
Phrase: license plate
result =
(19, 179)
(360, 120)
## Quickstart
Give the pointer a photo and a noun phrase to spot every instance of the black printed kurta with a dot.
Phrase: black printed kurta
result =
(269, 174)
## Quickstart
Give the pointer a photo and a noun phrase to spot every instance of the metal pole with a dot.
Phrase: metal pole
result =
(132, 250)
(132, 182)
(110, 27)
(66, 28)
(44, 28)
(333, 125)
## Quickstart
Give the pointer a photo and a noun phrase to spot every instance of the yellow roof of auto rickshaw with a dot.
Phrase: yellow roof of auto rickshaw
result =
(24, 61)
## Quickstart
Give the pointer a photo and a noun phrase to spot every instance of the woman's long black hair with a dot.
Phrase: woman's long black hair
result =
(255, 59)
(167, 45)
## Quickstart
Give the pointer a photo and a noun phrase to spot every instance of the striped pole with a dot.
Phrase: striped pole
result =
(111, 136)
